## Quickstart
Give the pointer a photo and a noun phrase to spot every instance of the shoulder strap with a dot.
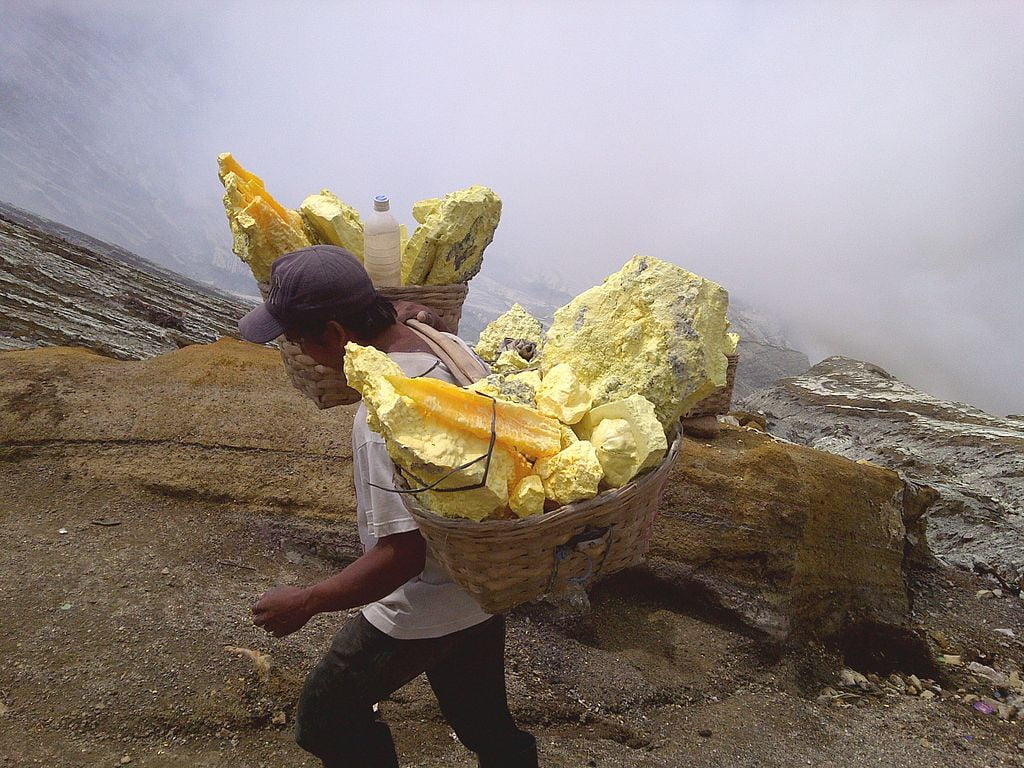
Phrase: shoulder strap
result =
(464, 366)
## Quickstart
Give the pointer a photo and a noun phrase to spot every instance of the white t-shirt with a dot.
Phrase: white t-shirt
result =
(430, 604)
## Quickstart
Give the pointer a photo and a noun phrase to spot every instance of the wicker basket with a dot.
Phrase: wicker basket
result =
(503, 563)
(326, 386)
(719, 400)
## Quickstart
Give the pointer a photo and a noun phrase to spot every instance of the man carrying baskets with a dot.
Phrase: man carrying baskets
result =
(414, 619)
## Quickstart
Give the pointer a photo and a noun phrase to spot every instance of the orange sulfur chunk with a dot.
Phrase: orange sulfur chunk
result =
(516, 426)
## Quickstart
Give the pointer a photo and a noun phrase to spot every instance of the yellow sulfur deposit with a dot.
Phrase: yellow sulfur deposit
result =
(262, 229)
(528, 497)
(734, 342)
(616, 450)
(427, 448)
(568, 436)
(517, 323)
(505, 387)
(509, 361)
(448, 246)
(333, 222)
(423, 208)
(647, 437)
(516, 426)
(561, 395)
(572, 474)
(651, 328)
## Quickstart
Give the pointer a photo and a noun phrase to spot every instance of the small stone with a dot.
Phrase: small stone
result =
(927, 695)
(125, 760)
(984, 594)
(62, 531)
(997, 593)
(970, 698)
(915, 683)
(849, 678)
(166, 571)
(1004, 631)
(279, 718)
(705, 733)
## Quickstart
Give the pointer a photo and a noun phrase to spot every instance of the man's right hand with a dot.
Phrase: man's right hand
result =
(282, 610)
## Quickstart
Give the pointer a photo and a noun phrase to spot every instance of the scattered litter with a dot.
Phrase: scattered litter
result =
(236, 565)
(107, 523)
(62, 531)
(261, 661)
(66, 606)
(984, 707)
(1007, 632)
(951, 659)
(166, 572)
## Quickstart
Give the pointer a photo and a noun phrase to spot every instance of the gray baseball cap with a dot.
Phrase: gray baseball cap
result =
(306, 283)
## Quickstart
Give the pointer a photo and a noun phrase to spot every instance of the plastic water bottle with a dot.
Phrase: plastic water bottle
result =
(382, 245)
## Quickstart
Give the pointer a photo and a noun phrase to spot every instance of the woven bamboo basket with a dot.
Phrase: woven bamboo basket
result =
(327, 386)
(503, 563)
(718, 401)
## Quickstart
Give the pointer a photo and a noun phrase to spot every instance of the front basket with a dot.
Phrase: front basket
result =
(503, 563)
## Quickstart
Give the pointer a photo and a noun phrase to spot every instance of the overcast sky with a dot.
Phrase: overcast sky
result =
(855, 169)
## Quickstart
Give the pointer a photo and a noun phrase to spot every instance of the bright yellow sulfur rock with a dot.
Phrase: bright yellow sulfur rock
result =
(448, 246)
(528, 497)
(509, 361)
(572, 474)
(568, 436)
(517, 323)
(734, 342)
(561, 395)
(334, 222)
(505, 387)
(262, 229)
(651, 328)
(426, 448)
(517, 427)
(647, 437)
(616, 450)
(423, 208)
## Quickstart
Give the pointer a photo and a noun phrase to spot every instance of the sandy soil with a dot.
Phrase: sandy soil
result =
(117, 605)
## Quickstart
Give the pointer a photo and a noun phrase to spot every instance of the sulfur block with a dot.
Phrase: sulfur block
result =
(517, 323)
(261, 228)
(448, 246)
(733, 343)
(616, 450)
(562, 396)
(528, 497)
(423, 208)
(334, 222)
(568, 436)
(427, 448)
(505, 387)
(509, 361)
(647, 433)
(652, 328)
(572, 474)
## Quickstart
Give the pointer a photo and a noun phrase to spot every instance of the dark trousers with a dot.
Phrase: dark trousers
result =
(335, 718)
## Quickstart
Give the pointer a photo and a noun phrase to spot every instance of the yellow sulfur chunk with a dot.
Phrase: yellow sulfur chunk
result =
(505, 387)
(517, 426)
(616, 450)
(561, 395)
(423, 208)
(428, 449)
(733, 343)
(262, 229)
(509, 361)
(516, 323)
(334, 222)
(448, 246)
(648, 437)
(528, 497)
(572, 474)
(568, 436)
(651, 328)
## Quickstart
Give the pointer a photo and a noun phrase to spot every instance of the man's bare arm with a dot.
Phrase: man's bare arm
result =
(377, 573)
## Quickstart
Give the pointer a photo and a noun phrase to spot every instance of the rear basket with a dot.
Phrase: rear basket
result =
(503, 563)
(327, 386)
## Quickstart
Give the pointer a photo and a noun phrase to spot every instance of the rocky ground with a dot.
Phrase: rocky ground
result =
(144, 513)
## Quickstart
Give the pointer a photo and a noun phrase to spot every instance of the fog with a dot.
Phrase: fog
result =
(854, 169)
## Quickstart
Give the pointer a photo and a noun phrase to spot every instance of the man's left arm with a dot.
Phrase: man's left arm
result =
(382, 569)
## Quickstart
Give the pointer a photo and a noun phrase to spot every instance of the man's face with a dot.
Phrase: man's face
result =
(328, 350)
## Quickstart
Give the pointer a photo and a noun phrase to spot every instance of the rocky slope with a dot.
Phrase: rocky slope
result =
(973, 459)
(148, 503)
(59, 286)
